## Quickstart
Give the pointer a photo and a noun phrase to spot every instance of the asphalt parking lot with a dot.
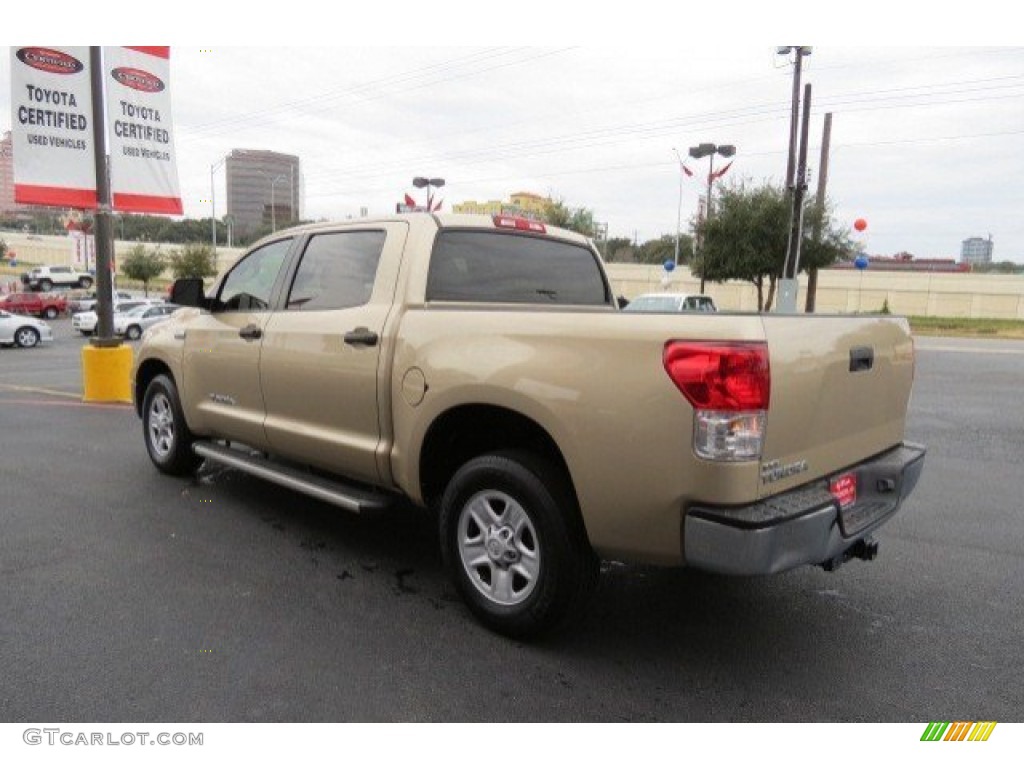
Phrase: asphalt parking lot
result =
(132, 597)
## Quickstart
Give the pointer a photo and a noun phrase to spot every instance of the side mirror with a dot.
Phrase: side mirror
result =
(622, 301)
(189, 292)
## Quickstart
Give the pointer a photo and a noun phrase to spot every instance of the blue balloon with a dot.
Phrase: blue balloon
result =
(669, 265)
(861, 262)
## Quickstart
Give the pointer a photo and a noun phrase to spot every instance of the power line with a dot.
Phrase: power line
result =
(264, 117)
(604, 137)
(669, 164)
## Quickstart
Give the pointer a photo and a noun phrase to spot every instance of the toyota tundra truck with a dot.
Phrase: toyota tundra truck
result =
(480, 368)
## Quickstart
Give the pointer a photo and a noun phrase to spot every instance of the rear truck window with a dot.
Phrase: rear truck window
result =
(505, 268)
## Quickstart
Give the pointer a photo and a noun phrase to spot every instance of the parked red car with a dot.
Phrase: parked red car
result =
(46, 305)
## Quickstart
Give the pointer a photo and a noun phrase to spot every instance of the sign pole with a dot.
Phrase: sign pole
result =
(106, 363)
(104, 226)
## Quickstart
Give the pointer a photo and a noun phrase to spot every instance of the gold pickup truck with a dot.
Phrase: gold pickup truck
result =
(480, 367)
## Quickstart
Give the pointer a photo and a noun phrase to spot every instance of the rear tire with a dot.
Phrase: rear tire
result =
(85, 282)
(26, 337)
(50, 313)
(168, 439)
(512, 544)
(133, 333)
(45, 285)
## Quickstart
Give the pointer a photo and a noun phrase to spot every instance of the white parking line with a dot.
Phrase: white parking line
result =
(970, 350)
(40, 391)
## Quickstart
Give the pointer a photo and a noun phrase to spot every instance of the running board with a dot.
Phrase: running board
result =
(350, 498)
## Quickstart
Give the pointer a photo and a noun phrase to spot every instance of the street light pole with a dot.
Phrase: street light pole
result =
(423, 181)
(679, 209)
(710, 150)
(213, 202)
(273, 205)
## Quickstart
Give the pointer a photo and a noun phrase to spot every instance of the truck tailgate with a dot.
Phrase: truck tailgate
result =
(840, 391)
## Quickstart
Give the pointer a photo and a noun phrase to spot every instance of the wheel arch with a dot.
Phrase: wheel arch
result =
(148, 371)
(467, 431)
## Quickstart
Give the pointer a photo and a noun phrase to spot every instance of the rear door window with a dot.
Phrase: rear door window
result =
(337, 270)
(499, 267)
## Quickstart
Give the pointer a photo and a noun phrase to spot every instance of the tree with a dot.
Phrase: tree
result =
(999, 267)
(620, 249)
(143, 264)
(664, 249)
(3, 249)
(558, 214)
(747, 236)
(193, 260)
(824, 243)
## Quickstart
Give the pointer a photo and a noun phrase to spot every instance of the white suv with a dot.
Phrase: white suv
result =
(46, 278)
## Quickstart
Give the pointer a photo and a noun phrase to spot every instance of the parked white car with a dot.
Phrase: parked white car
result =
(132, 323)
(672, 302)
(23, 331)
(85, 322)
(87, 302)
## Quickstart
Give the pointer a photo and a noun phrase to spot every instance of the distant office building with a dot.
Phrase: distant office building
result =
(524, 204)
(7, 204)
(263, 190)
(977, 250)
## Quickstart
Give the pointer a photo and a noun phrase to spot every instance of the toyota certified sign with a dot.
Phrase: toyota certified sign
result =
(52, 126)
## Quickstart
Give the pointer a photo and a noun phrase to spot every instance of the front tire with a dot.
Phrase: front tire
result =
(133, 333)
(45, 285)
(512, 544)
(50, 313)
(85, 282)
(26, 337)
(168, 439)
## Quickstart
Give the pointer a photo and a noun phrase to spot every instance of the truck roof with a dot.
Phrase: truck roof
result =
(441, 220)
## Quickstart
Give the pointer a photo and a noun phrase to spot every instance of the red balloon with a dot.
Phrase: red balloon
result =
(860, 225)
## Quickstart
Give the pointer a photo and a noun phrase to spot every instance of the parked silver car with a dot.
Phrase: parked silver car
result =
(85, 322)
(86, 302)
(23, 331)
(132, 323)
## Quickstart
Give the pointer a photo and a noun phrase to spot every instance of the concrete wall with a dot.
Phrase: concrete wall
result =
(56, 250)
(938, 294)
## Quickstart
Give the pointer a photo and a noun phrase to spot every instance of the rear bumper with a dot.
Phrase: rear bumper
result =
(804, 526)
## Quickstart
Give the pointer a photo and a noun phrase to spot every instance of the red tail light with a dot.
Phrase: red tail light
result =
(720, 376)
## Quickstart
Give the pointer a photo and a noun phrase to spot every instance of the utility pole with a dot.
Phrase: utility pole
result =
(796, 183)
(812, 274)
(799, 189)
(794, 118)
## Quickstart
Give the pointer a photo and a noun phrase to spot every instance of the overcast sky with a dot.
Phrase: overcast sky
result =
(926, 142)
